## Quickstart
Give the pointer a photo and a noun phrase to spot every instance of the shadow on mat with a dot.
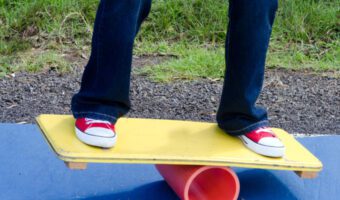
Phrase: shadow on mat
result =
(152, 191)
(262, 185)
(255, 184)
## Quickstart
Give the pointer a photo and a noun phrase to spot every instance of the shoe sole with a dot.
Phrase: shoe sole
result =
(96, 140)
(264, 150)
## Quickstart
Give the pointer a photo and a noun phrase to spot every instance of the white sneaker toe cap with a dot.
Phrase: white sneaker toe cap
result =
(272, 142)
(100, 132)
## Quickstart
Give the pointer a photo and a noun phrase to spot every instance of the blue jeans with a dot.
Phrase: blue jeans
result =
(104, 92)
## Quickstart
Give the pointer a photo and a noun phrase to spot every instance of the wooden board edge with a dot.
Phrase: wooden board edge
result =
(76, 165)
(69, 164)
(307, 174)
(47, 139)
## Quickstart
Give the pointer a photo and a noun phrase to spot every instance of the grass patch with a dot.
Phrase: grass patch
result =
(43, 61)
(192, 61)
(191, 64)
(301, 56)
(34, 61)
(50, 27)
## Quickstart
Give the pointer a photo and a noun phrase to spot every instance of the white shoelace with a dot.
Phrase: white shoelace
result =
(91, 121)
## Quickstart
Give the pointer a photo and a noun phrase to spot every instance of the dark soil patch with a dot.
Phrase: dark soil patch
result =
(299, 102)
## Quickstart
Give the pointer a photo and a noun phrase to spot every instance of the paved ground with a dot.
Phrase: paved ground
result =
(300, 102)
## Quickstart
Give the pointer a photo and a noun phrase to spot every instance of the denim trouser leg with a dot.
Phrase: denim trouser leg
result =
(247, 41)
(104, 92)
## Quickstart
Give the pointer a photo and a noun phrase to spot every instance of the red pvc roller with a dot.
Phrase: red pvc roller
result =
(201, 182)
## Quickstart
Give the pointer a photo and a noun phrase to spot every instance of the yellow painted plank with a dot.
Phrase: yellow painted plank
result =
(157, 141)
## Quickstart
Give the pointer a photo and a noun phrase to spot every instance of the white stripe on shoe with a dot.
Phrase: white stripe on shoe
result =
(271, 147)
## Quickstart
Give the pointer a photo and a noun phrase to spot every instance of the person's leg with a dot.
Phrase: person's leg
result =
(104, 92)
(250, 26)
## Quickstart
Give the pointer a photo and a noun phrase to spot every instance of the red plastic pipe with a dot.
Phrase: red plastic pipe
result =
(201, 182)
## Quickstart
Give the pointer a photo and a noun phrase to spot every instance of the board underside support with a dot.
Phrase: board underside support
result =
(306, 174)
(83, 166)
(76, 165)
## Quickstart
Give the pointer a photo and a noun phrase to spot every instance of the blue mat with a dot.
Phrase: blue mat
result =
(30, 170)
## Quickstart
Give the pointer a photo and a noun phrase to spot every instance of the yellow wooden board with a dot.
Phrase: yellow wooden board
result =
(157, 141)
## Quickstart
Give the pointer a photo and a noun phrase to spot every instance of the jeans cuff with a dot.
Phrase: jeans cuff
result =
(95, 115)
(247, 129)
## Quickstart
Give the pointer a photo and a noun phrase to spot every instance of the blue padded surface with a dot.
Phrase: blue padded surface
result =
(30, 170)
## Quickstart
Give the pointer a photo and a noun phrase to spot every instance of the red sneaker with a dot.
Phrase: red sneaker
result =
(264, 141)
(96, 132)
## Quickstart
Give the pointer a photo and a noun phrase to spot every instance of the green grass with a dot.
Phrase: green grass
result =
(192, 63)
(46, 60)
(47, 27)
(35, 61)
(305, 35)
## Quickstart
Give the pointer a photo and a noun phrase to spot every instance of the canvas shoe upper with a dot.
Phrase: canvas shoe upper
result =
(94, 132)
(264, 141)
